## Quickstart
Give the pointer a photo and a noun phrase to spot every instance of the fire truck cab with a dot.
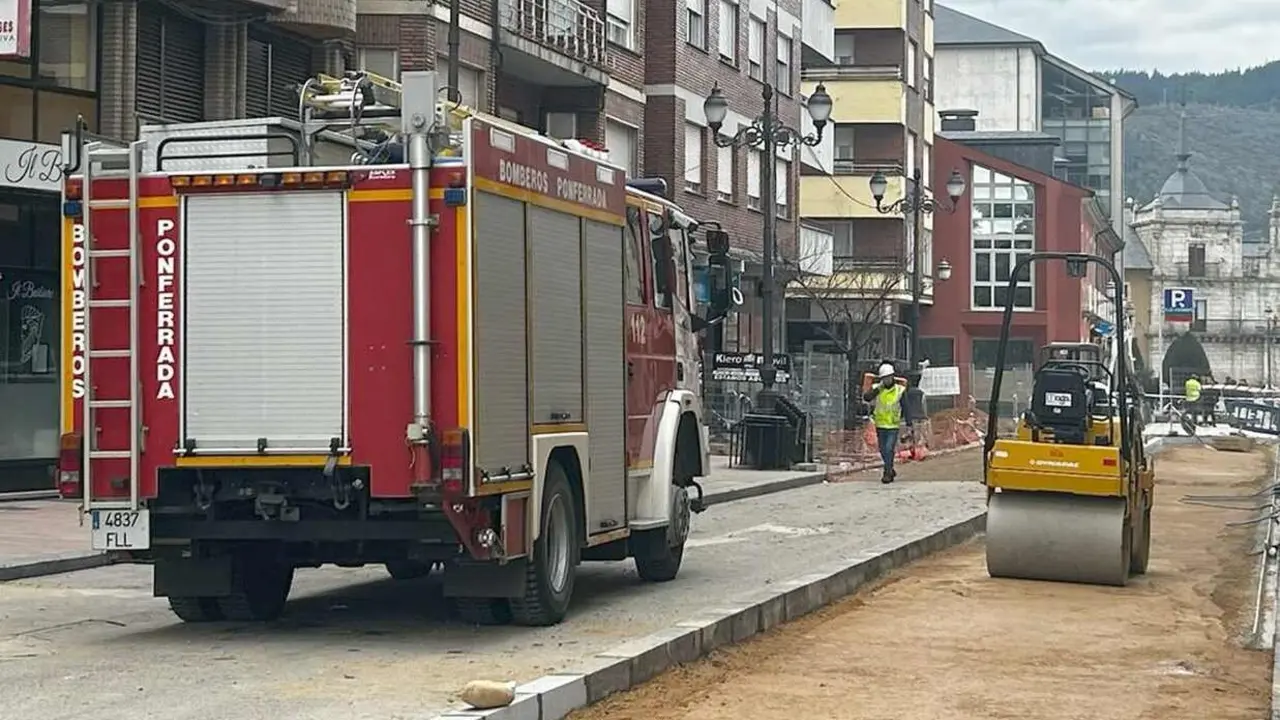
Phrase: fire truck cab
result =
(483, 360)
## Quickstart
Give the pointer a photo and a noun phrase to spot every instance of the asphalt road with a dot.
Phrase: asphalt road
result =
(355, 645)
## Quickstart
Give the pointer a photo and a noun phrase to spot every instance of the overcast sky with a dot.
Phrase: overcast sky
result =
(1171, 35)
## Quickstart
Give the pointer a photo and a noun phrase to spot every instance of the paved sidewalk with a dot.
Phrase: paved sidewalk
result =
(44, 537)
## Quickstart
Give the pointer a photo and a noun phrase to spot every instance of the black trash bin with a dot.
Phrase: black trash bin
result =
(768, 442)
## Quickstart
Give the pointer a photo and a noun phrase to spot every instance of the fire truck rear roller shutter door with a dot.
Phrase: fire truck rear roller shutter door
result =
(555, 301)
(602, 263)
(501, 371)
(264, 305)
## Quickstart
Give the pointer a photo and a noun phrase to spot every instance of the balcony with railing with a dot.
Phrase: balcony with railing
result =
(1246, 330)
(557, 43)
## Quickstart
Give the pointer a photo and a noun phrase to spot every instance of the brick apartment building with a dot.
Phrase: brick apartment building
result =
(739, 45)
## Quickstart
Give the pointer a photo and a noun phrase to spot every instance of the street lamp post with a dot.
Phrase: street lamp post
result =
(1271, 326)
(916, 204)
(768, 133)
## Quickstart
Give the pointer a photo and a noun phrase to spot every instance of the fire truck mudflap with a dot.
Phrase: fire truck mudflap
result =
(249, 404)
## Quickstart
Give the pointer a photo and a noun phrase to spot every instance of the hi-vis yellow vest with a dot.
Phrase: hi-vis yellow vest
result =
(1192, 389)
(887, 413)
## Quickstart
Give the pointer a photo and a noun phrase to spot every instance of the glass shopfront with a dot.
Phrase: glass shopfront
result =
(29, 325)
(42, 96)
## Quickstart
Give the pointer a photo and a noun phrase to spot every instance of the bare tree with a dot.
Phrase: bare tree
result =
(855, 311)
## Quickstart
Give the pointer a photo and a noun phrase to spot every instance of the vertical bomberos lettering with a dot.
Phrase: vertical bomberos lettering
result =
(166, 249)
(79, 306)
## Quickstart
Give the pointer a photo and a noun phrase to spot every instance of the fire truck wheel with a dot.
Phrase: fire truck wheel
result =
(260, 587)
(480, 611)
(195, 609)
(550, 573)
(409, 569)
(659, 553)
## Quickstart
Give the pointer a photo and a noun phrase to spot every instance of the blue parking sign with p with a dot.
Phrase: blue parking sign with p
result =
(1179, 301)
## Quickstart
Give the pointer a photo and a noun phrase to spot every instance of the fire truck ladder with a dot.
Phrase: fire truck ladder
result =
(98, 161)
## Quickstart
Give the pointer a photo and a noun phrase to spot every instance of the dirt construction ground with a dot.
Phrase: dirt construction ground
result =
(940, 640)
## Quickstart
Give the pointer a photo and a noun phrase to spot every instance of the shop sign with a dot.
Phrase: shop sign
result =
(30, 165)
(15, 29)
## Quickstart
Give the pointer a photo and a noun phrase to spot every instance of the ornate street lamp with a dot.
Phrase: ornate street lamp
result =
(915, 204)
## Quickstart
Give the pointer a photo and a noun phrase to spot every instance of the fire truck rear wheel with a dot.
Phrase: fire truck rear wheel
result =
(260, 588)
(553, 567)
(195, 609)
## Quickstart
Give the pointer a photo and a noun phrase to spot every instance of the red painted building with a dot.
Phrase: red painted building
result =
(1007, 212)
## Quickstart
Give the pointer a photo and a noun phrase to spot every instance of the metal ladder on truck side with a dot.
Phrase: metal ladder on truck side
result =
(99, 163)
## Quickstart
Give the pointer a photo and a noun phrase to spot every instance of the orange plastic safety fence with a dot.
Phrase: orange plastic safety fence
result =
(846, 452)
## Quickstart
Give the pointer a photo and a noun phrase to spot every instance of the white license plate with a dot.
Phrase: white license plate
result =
(120, 529)
(1057, 399)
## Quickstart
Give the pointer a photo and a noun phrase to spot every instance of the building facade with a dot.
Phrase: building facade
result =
(1008, 212)
(741, 47)
(1195, 242)
(1017, 85)
(48, 77)
(881, 82)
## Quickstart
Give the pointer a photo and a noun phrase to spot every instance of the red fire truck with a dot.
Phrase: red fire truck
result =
(483, 360)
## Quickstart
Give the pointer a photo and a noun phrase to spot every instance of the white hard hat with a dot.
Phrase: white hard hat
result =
(885, 371)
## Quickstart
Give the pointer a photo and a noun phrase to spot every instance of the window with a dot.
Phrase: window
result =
(662, 269)
(753, 179)
(755, 49)
(724, 174)
(1004, 231)
(68, 44)
(471, 84)
(621, 17)
(940, 351)
(620, 141)
(911, 152)
(634, 269)
(57, 111)
(692, 158)
(841, 238)
(1017, 353)
(29, 312)
(782, 79)
(844, 47)
(1195, 261)
(509, 113)
(927, 168)
(844, 148)
(783, 194)
(696, 10)
(562, 125)
(912, 49)
(927, 79)
(1200, 321)
(729, 31)
(382, 61)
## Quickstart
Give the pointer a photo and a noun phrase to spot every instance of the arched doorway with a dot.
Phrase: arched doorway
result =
(1184, 357)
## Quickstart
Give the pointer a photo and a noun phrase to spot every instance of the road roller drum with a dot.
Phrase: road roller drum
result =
(1059, 537)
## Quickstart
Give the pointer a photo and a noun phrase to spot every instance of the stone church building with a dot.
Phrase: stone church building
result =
(1193, 240)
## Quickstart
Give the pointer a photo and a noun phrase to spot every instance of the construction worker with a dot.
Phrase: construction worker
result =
(1191, 396)
(887, 412)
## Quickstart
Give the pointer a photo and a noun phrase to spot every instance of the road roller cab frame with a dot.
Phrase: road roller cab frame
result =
(1069, 498)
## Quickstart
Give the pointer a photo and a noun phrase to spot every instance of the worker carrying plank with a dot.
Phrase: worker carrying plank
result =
(887, 413)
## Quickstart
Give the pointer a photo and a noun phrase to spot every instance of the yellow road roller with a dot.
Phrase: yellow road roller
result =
(1069, 494)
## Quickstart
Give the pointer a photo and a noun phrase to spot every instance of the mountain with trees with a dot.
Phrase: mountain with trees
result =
(1233, 129)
